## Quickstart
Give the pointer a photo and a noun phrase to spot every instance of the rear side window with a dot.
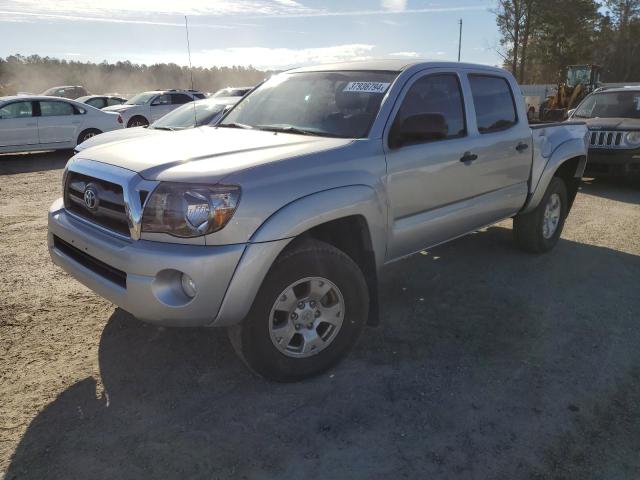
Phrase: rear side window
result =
(17, 110)
(180, 98)
(115, 101)
(437, 94)
(96, 102)
(493, 101)
(54, 109)
(162, 100)
(199, 95)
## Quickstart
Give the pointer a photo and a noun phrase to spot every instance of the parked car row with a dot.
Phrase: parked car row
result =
(31, 123)
(196, 114)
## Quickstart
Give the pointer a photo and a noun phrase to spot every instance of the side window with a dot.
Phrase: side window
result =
(114, 101)
(493, 100)
(180, 98)
(96, 102)
(432, 109)
(55, 109)
(17, 110)
(162, 100)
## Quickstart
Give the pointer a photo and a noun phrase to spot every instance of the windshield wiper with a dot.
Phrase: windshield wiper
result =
(234, 125)
(290, 129)
(163, 128)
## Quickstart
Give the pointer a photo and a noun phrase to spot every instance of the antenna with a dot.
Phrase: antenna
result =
(186, 27)
(459, 39)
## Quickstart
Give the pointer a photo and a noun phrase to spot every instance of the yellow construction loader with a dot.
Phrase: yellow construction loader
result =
(580, 80)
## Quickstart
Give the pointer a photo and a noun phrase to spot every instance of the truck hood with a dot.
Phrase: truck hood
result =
(118, 108)
(205, 154)
(612, 123)
(119, 135)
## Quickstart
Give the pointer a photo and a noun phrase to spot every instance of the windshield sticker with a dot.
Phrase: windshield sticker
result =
(366, 87)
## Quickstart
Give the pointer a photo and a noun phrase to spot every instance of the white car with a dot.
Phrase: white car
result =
(207, 112)
(147, 107)
(232, 92)
(50, 123)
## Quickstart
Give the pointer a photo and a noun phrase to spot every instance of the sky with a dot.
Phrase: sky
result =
(267, 34)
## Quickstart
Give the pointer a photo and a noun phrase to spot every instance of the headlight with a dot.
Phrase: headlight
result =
(185, 210)
(633, 138)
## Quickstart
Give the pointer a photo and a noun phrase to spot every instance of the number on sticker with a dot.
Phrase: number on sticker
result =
(366, 87)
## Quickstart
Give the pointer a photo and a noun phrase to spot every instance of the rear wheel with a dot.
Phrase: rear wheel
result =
(87, 134)
(307, 315)
(137, 121)
(539, 230)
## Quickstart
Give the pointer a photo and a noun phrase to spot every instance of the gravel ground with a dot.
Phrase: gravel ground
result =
(489, 363)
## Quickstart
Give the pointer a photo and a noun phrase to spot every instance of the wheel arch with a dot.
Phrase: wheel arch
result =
(349, 218)
(568, 162)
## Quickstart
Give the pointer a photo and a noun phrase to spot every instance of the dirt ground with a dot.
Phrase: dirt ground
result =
(489, 364)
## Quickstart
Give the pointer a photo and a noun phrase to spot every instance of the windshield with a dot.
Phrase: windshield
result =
(335, 104)
(578, 75)
(140, 99)
(231, 92)
(183, 117)
(610, 105)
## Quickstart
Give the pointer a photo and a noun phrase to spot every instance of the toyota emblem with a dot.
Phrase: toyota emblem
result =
(91, 197)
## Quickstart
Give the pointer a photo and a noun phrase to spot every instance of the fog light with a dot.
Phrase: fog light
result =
(189, 286)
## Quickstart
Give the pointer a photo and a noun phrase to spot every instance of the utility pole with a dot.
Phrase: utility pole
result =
(460, 40)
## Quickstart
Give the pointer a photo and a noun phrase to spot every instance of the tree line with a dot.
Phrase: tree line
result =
(541, 37)
(35, 74)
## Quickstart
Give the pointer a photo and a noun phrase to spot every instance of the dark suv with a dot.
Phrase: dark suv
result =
(613, 119)
(66, 91)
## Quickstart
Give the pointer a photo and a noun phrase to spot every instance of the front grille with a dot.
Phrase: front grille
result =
(607, 139)
(96, 266)
(110, 212)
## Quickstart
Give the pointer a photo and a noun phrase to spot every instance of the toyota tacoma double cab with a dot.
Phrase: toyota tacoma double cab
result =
(276, 224)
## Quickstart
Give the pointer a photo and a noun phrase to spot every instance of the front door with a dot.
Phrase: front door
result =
(426, 179)
(18, 126)
(160, 106)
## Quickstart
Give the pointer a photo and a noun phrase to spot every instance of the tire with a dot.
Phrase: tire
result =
(137, 121)
(87, 134)
(315, 262)
(529, 229)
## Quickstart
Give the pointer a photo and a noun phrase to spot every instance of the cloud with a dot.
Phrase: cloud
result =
(394, 5)
(260, 57)
(281, 58)
(156, 13)
(405, 54)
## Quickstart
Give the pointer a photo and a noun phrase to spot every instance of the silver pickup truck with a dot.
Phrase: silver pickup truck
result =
(277, 222)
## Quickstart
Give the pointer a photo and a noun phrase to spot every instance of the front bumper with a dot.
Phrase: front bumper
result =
(143, 277)
(613, 162)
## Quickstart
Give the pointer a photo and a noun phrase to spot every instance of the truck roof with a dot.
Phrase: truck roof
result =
(391, 65)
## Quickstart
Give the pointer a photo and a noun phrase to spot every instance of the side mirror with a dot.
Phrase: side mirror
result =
(570, 112)
(421, 128)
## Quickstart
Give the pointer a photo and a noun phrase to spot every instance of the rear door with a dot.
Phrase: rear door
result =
(502, 142)
(18, 125)
(58, 122)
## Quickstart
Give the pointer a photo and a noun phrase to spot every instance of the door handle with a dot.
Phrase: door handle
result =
(522, 147)
(468, 157)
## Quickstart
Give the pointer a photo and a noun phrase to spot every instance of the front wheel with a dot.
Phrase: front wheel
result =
(307, 315)
(539, 230)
